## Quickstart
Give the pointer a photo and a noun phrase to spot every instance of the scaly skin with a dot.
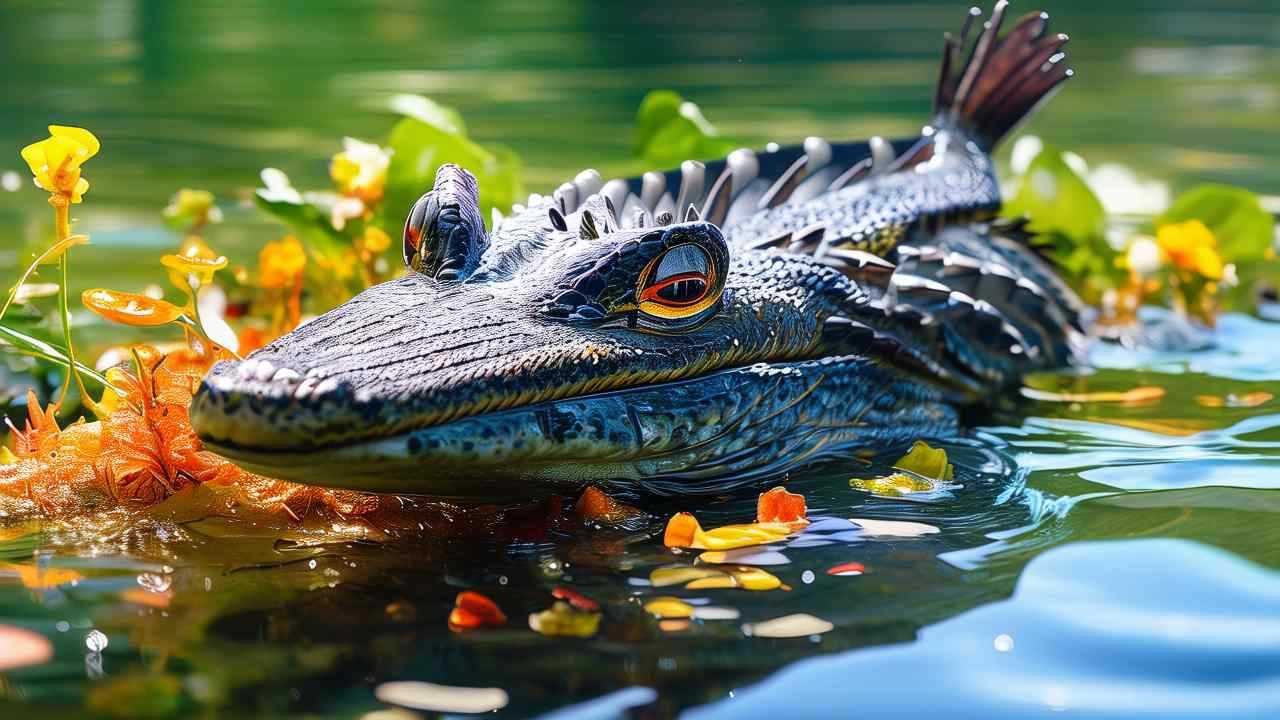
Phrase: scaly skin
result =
(836, 303)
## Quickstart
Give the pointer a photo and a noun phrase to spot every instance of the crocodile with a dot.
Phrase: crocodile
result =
(681, 332)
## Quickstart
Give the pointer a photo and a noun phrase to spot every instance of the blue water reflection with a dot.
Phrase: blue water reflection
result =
(1158, 628)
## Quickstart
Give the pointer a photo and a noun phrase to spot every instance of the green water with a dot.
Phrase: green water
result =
(188, 95)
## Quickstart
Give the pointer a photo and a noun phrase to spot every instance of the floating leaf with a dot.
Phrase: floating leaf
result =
(789, 626)
(779, 506)
(746, 578)
(895, 485)
(130, 308)
(926, 461)
(441, 698)
(1247, 400)
(1244, 230)
(679, 575)
(668, 607)
(894, 528)
(847, 569)
(473, 610)
(564, 620)
(1136, 396)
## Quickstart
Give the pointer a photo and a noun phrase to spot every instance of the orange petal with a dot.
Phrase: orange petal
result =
(595, 506)
(778, 505)
(130, 308)
(205, 267)
(682, 530)
(474, 610)
(575, 598)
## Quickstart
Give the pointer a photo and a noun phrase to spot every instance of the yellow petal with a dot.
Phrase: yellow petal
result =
(205, 267)
(926, 461)
(130, 308)
(79, 189)
(6, 456)
(680, 574)
(668, 607)
(85, 141)
(34, 156)
(736, 536)
(895, 485)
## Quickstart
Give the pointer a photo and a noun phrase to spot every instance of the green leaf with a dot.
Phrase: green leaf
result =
(1245, 232)
(670, 129)
(1057, 200)
(19, 342)
(431, 135)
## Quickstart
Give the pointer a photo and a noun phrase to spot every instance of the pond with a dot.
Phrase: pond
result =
(1104, 559)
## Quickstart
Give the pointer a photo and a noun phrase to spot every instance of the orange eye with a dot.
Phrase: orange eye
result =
(679, 284)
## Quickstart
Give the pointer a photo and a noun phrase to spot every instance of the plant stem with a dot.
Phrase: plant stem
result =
(62, 215)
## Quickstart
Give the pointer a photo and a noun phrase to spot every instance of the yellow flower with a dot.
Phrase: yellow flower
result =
(1191, 246)
(280, 263)
(375, 241)
(195, 207)
(55, 162)
(360, 170)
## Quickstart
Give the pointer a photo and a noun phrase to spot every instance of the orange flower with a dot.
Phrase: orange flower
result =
(55, 161)
(1191, 246)
(778, 505)
(280, 263)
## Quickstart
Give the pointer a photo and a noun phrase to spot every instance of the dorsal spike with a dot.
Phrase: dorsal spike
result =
(860, 169)
(566, 196)
(785, 184)
(557, 218)
(716, 207)
(691, 213)
(587, 227)
(652, 185)
(692, 179)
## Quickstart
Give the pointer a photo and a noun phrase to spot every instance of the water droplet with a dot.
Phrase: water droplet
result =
(807, 577)
(96, 641)
(62, 626)
(502, 579)
(1003, 643)
(11, 181)
(311, 564)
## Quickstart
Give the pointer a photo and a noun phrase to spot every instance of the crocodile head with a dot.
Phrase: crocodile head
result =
(558, 351)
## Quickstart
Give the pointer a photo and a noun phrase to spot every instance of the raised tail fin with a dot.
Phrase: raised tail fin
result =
(1004, 79)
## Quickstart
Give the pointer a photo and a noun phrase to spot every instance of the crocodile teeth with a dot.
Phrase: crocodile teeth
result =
(264, 371)
(616, 191)
(566, 196)
(286, 375)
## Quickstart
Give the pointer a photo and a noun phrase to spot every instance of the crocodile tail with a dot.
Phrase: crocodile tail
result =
(1004, 79)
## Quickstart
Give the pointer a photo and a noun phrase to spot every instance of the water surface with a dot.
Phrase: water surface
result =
(1170, 605)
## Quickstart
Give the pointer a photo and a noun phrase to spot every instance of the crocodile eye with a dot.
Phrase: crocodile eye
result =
(679, 283)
